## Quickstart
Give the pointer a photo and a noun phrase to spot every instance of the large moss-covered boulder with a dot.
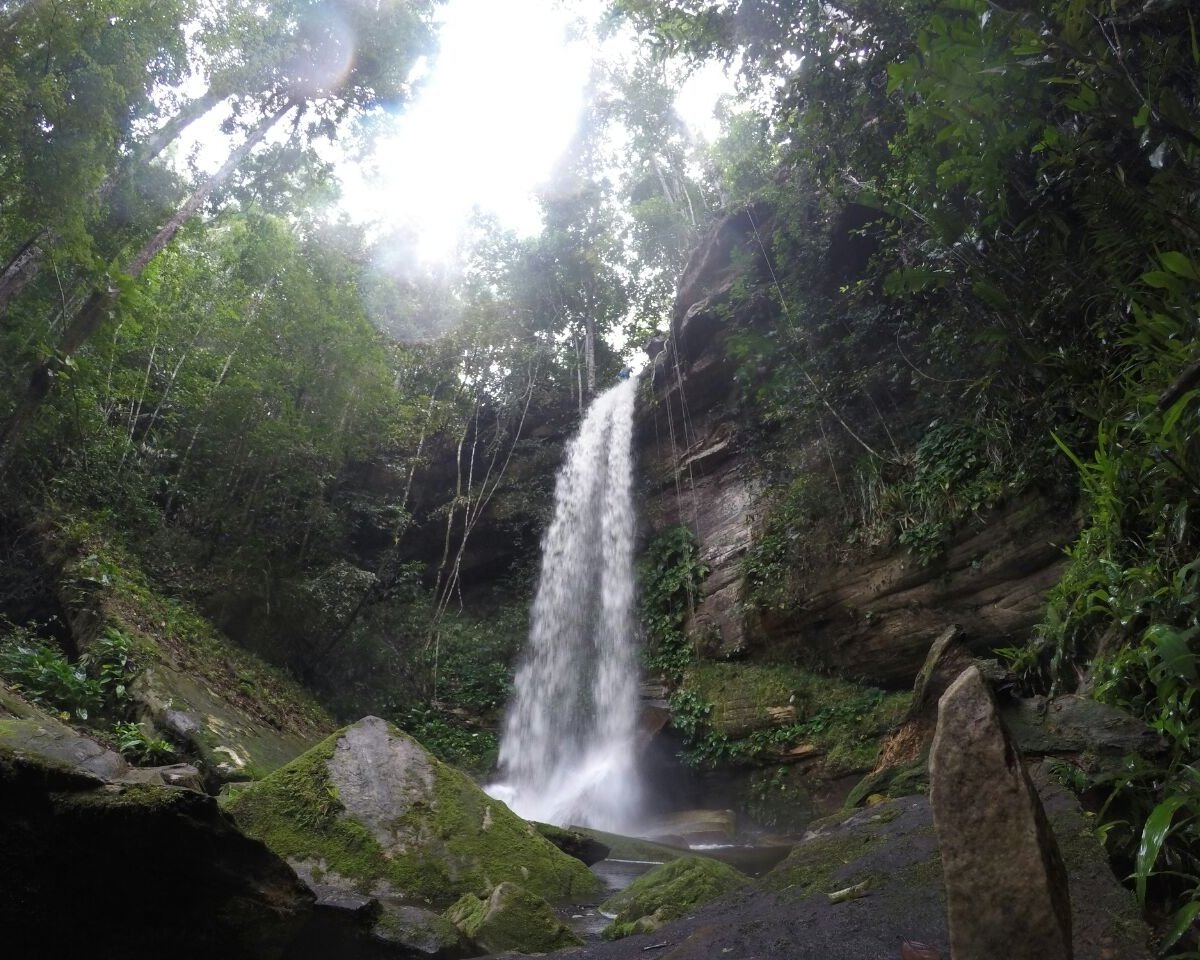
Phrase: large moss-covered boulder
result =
(668, 892)
(370, 810)
(511, 918)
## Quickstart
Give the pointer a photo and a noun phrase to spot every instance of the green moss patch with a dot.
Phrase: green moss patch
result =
(446, 837)
(667, 893)
(295, 811)
(507, 849)
(511, 918)
(756, 713)
(810, 867)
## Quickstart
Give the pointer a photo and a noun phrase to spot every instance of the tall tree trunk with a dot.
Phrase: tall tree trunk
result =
(19, 272)
(23, 267)
(98, 306)
(589, 350)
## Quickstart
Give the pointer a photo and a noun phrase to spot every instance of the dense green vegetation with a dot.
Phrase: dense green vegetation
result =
(270, 416)
(1021, 298)
(979, 278)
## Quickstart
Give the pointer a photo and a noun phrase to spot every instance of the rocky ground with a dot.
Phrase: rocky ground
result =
(892, 848)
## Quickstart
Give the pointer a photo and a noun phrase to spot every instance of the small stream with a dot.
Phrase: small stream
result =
(586, 919)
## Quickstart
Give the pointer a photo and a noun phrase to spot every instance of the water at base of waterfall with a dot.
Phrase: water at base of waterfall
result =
(567, 749)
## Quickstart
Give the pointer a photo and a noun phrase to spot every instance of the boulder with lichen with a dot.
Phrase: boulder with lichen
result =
(369, 810)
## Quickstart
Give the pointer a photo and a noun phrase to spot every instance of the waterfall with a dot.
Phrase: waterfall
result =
(567, 750)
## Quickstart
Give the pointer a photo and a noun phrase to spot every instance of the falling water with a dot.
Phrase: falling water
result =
(567, 753)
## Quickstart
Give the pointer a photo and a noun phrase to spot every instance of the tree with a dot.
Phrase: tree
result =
(578, 264)
(75, 79)
(342, 58)
(334, 56)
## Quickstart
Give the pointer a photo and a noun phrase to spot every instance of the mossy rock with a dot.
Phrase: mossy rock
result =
(229, 743)
(668, 892)
(573, 842)
(511, 918)
(811, 865)
(78, 855)
(370, 810)
(421, 931)
(766, 713)
(236, 716)
(621, 847)
(26, 729)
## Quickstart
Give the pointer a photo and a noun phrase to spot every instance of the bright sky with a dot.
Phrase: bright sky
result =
(494, 115)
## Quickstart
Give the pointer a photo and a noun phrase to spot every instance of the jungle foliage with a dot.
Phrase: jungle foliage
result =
(1020, 186)
(278, 417)
(979, 274)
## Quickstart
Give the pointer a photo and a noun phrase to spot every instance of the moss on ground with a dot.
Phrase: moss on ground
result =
(810, 867)
(668, 892)
(845, 721)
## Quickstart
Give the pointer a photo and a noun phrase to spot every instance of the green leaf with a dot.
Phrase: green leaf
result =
(1171, 417)
(1184, 917)
(1174, 651)
(1068, 451)
(1155, 832)
(1179, 263)
(1160, 280)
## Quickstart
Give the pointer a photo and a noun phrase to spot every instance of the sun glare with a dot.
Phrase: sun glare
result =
(497, 110)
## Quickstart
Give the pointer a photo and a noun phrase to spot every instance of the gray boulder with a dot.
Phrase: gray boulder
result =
(1006, 886)
(369, 811)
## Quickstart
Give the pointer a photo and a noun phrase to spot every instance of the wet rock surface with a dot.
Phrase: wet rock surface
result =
(231, 745)
(868, 614)
(574, 843)
(1006, 886)
(893, 849)
(370, 811)
(789, 913)
(1095, 735)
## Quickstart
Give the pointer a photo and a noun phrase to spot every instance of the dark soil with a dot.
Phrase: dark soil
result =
(892, 847)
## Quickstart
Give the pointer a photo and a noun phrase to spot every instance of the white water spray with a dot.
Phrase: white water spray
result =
(567, 752)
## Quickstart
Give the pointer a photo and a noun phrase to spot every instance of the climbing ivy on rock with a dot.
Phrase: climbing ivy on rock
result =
(672, 572)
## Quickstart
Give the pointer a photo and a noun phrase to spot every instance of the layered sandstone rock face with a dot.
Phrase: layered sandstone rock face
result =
(866, 612)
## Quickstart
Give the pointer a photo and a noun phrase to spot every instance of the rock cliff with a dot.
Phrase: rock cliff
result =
(866, 610)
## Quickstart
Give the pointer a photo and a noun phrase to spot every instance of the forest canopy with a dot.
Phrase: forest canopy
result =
(283, 417)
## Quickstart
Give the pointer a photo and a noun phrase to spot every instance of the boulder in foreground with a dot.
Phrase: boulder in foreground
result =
(511, 918)
(1006, 886)
(369, 810)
